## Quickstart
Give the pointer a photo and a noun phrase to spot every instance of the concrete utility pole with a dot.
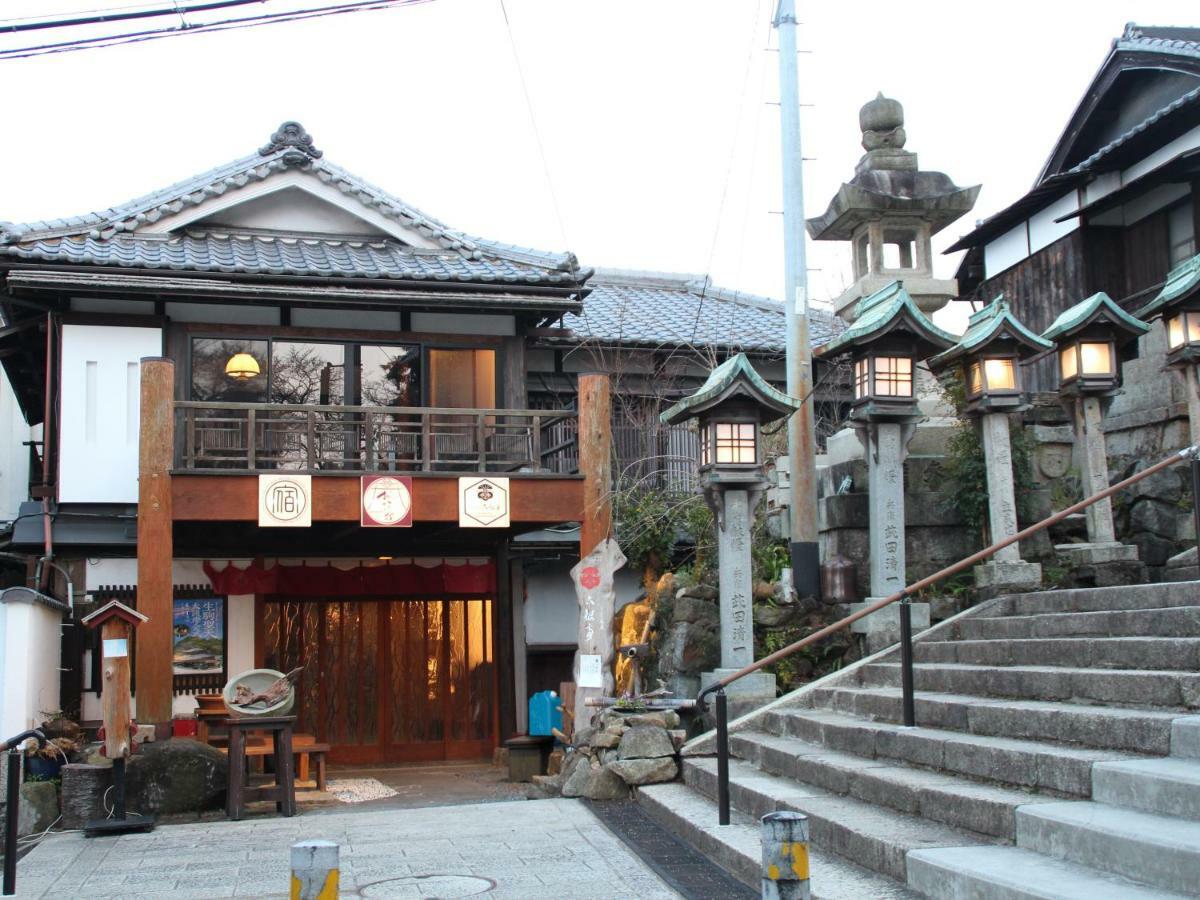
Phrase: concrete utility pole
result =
(801, 437)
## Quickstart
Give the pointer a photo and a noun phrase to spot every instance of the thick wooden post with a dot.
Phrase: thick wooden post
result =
(595, 459)
(114, 692)
(155, 548)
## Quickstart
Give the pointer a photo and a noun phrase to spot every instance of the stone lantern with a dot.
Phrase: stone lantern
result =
(987, 359)
(887, 339)
(1087, 337)
(889, 211)
(731, 406)
(1179, 305)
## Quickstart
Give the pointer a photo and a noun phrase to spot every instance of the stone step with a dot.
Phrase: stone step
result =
(872, 836)
(1137, 730)
(1021, 763)
(1096, 652)
(1174, 690)
(936, 796)
(1169, 787)
(1180, 621)
(1140, 596)
(1157, 850)
(1011, 873)
(737, 847)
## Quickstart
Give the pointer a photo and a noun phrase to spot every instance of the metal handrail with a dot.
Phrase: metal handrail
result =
(12, 807)
(903, 595)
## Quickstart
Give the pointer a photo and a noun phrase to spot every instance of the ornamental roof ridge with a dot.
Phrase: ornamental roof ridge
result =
(880, 312)
(725, 379)
(1182, 281)
(1076, 317)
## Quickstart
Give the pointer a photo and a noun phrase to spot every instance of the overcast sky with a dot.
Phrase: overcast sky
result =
(661, 143)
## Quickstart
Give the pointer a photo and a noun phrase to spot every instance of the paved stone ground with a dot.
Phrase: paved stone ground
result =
(525, 850)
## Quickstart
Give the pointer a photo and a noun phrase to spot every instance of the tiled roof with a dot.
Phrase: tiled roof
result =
(1160, 39)
(661, 309)
(1188, 99)
(231, 251)
(735, 375)
(288, 149)
(994, 320)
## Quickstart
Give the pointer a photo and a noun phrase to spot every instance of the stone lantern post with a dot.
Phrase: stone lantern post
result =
(1179, 305)
(731, 406)
(987, 358)
(887, 339)
(1087, 337)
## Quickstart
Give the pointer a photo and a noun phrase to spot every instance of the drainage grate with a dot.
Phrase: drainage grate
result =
(675, 862)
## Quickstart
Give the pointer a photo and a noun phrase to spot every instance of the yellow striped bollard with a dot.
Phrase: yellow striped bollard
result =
(785, 856)
(314, 870)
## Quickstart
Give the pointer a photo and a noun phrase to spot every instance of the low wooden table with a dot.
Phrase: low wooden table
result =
(283, 791)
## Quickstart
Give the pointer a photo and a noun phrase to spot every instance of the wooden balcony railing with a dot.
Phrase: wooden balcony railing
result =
(219, 438)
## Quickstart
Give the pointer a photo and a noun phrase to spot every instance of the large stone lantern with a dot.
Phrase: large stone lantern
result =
(987, 359)
(1087, 337)
(887, 339)
(731, 406)
(1178, 303)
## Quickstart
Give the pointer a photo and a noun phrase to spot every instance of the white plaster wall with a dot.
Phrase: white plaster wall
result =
(293, 209)
(1152, 201)
(100, 407)
(1187, 141)
(30, 656)
(14, 456)
(1044, 231)
(1007, 250)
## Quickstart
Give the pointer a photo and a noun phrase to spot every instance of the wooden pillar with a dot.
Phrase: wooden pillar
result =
(155, 547)
(595, 459)
(114, 693)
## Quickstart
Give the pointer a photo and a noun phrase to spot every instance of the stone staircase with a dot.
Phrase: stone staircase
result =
(1055, 756)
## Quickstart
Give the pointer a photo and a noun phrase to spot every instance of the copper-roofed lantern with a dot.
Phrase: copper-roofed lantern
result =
(987, 359)
(730, 407)
(1178, 303)
(1087, 337)
(889, 211)
(889, 336)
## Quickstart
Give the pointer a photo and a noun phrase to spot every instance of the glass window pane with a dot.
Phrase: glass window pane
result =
(389, 376)
(1193, 328)
(462, 378)
(219, 374)
(308, 373)
(1175, 332)
(1096, 359)
(1068, 363)
(974, 379)
(1001, 374)
(893, 376)
(860, 379)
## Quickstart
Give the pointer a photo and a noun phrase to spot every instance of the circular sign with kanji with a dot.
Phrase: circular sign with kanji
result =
(386, 501)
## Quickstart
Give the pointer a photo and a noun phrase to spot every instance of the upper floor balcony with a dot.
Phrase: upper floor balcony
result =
(226, 437)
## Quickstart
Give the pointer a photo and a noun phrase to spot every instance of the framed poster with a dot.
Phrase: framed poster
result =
(386, 501)
(199, 640)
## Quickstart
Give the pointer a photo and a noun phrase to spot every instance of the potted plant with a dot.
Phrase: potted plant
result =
(43, 763)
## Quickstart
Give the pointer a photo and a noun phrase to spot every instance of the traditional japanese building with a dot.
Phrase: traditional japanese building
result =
(300, 423)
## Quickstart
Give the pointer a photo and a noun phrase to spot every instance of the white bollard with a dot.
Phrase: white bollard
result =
(314, 870)
(785, 856)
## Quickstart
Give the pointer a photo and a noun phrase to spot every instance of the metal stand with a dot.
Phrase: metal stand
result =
(906, 663)
(13, 799)
(722, 758)
(121, 820)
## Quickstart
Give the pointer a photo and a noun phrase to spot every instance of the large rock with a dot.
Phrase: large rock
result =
(693, 647)
(695, 609)
(175, 776)
(575, 775)
(1153, 517)
(699, 591)
(645, 742)
(39, 807)
(645, 771)
(605, 784)
(83, 788)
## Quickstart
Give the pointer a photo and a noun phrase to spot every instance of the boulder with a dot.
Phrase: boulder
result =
(83, 787)
(605, 784)
(695, 609)
(39, 807)
(645, 771)
(175, 776)
(1155, 518)
(575, 775)
(645, 742)
(583, 734)
(770, 615)
(604, 740)
(699, 592)
(693, 647)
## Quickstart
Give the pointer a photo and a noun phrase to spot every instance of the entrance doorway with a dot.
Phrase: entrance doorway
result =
(388, 680)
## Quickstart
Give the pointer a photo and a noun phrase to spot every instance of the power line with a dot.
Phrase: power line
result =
(116, 16)
(205, 27)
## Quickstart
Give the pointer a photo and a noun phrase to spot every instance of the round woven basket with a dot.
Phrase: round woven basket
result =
(257, 680)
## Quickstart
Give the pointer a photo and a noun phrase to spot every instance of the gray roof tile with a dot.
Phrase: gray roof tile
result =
(661, 309)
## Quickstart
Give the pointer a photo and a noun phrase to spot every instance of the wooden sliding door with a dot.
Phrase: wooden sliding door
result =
(389, 680)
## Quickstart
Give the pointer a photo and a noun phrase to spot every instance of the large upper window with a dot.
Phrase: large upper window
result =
(231, 370)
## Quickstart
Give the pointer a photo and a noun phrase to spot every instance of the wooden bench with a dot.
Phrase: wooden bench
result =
(306, 750)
